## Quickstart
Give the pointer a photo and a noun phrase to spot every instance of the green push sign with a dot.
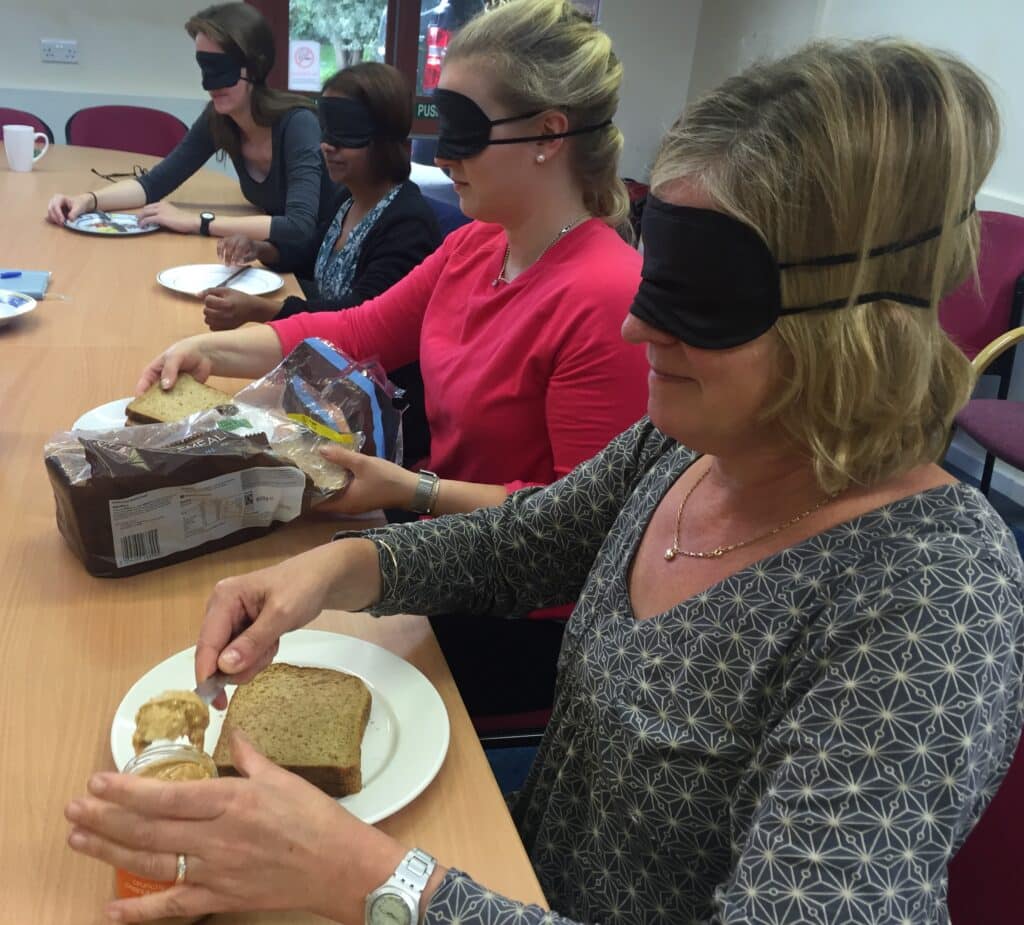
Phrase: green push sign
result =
(426, 110)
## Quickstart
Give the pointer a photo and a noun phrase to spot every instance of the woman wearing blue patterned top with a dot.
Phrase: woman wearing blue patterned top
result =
(794, 676)
(379, 227)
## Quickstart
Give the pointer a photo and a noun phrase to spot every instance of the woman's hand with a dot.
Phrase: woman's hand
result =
(227, 309)
(246, 615)
(267, 840)
(63, 208)
(237, 250)
(186, 356)
(376, 483)
(170, 217)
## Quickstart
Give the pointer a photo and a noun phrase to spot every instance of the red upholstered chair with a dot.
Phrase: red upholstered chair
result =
(20, 117)
(986, 878)
(126, 128)
(975, 320)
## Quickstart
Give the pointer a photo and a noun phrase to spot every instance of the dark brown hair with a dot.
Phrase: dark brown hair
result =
(386, 93)
(244, 34)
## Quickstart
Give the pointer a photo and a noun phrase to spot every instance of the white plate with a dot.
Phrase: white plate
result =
(406, 738)
(13, 304)
(121, 225)
(193, 278)
(106, 417)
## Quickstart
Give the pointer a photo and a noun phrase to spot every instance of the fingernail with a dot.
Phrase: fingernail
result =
(113, 912)
(77, 839)
(165, 383)
(231, 658)
(97, 784)
(73, 811)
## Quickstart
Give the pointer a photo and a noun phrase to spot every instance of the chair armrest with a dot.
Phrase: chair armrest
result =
(991, 352)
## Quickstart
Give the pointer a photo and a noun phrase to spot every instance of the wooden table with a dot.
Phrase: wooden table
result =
(70, 644)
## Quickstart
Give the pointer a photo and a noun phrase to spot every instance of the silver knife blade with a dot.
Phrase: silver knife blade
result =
(208, 690)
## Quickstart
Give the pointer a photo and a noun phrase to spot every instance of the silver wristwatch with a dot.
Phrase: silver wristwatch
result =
(425, 497)
(397, 902)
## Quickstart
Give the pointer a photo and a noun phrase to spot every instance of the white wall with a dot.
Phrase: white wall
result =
(136, 52)
(655, 40)
(131, 52)
(735, 33)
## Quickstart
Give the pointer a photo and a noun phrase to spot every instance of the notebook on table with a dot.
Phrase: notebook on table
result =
(29, 282)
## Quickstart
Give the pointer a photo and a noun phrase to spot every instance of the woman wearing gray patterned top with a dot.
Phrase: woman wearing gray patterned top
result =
(794, 676)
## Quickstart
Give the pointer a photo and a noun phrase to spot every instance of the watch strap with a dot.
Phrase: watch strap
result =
(425, 496)
(414, 871)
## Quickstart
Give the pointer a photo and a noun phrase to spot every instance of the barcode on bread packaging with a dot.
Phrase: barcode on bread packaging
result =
(161, 522)
(138, 547)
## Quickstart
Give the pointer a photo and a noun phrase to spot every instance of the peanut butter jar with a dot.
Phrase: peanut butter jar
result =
(170, 761)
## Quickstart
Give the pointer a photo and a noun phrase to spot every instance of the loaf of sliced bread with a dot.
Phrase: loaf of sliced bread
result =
(307, 720)
(185, 397)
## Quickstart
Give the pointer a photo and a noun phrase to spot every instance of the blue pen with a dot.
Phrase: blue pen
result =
(10, 274)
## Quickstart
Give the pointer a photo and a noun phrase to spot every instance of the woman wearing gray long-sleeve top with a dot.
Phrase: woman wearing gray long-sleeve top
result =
(272, 139)
(794, 677)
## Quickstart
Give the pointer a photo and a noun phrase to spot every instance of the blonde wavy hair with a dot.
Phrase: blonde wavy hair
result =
(841, 148)
(546, 54)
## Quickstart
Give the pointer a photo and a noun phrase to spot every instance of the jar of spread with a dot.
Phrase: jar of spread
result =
(170, 761)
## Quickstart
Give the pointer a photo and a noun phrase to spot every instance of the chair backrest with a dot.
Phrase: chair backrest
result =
(985, 882)
(137, 129)
(20, 117)
(974, 319)
(449, 217)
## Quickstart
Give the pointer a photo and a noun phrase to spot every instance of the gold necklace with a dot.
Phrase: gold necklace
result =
(720, 551)
(500, 278)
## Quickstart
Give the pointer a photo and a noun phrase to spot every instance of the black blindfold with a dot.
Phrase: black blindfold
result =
(345, 123)
(220, 70)
(464, 129)
(710, 280)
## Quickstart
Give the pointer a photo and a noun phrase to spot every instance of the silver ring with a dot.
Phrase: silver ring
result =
(182, 870)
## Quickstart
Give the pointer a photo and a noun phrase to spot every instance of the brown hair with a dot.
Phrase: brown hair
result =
(546, 54)
(243, 33)
(841, 148)
(385, 92)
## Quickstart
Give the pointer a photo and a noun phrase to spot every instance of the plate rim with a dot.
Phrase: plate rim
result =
(183, 266)
(149, 229)
(127, 401)
(19, 310)
(440, 746)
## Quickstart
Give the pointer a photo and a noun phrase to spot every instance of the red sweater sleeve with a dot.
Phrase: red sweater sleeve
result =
(386, 328)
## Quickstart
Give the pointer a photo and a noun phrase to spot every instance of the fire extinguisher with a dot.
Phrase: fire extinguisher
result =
(437, 45)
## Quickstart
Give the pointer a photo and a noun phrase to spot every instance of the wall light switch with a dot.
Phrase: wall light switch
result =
(58, 51)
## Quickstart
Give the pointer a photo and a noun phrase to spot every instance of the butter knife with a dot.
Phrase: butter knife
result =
(208, 690)
(234, 276)
(110, 221)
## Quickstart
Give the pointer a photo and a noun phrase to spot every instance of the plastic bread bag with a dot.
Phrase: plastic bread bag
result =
(137, 498)
(319, 386)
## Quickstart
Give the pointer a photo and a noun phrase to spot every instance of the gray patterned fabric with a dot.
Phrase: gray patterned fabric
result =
(808, 741)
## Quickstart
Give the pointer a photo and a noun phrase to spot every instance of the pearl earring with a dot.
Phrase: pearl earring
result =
(541, 158)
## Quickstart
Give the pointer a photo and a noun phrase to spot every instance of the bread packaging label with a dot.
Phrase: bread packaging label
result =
(141, 497)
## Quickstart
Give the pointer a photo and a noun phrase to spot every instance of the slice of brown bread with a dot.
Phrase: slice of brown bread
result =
(185, 397)
(308, 720)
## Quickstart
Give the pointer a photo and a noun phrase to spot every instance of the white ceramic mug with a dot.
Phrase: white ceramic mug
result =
(19, 142)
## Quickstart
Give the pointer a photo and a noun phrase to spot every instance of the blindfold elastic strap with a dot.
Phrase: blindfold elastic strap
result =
(894, 248)
(901, 297)
(576, 131)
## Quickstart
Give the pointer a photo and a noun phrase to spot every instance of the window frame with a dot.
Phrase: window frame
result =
(401, 50)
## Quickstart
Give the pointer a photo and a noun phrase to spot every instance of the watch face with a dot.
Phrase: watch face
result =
(207, 215)
(390, 909)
